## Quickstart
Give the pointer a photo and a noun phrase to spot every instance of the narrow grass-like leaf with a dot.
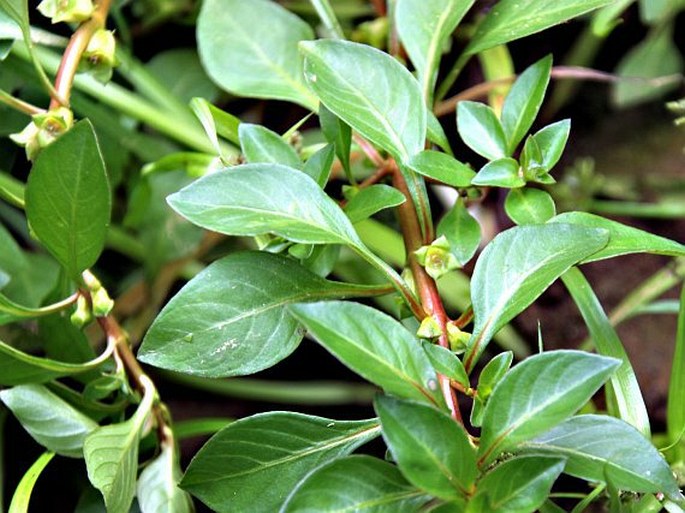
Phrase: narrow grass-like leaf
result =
(111, 454)
(51, 421)
(158, 490)
(516, 267)
(542, 391)
(373, 199)
(623, 239)
(250, 58)
(22, 494)
(356, 483)
(261, 145)
(598, 445)
(68, 199)
(431, 449)
(231, 318)
(264, 198)
(513, 19)
(627, 398)
(373, 345)
(254, 463)
(480, 129)
(675, 410)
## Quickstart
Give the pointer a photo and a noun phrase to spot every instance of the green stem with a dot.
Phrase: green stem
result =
(200, 427)
(18, 104)
(675, 409)
(119, 240)
(451, 77)
(328, 18)
(580, 507)
(3, 418)
(665, 210)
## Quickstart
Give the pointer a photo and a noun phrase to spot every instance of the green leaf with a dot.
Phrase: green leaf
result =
(22, 494)
(502, 172)
(250, 58)
(339, 134)
(425, 27)
(675, 410)
(231, 318)
(519, 485)
(491, 374)
(19, 368)
(431, 449)
(13, 311)
(598, 445)
(373, 345)
(446, 363)
(441, 167)
(264, 198)
(461, 230)
(552, 140)
(356, 483)
(370, 200)
(254, 463)
(318, 166)
(523, 102)
(180, 71)
(261, 145)
(216, 122)
(111, 454)
(158, 490)
(480, 129)
(513, 19)
(370, 91)
(529, 206)
(68, 199)
(516, 267)
(51, 421)
(537, 394)
(623, 239)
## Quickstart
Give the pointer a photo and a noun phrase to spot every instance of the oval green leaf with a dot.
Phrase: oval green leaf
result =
(461, 230)
(441, 167)
(158, 490)
(261, 145)
(371, 200)
(480, 130)
(529, 206)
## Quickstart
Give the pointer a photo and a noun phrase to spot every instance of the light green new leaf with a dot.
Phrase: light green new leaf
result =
(22, 494)
(339, 134)
(264, 198)
(373, 345)
(425, 28)
(261, 145)
(68, 199)
(370, 91)
(370, 200)
(523, 102)
(529, 206)
(431, 449)
(552, 140)
(623, 239)
(231, 318)
(516, 267)
(158, 490)
(491, 374)
(51, 421)
(251, 58)
(111, 454)
(596, 446)
(501, 172)
(254, 463)
(318, 166)
(441, 167)
(356, 483)
(446, 363)
(461, 230)
(537, 394)
(675, 410)
(519, 485)
(481, 131)
(513, 19)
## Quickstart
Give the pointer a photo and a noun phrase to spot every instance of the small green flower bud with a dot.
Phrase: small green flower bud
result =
(70, 11)
(437, 258)
(82, 315)
(102, 303)
(429, 328)
(458, 339)
(43, 129)
(99, 59)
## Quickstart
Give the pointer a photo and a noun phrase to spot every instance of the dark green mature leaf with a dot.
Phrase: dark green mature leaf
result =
(158, 490)
(111, 454)
(461, 230)
(264, 198)
(261, 145)
(356, 483)
(523, 102)
(231, 318)
(529, 206)
(373, 199)
(251, 58)
(480, 129)
(519, 485)
(370, 91)
(537, 394)
(516, 267)
(431, 449)
(425, 27)
(513, 19)
(51, 421)
(446, 363)
(318, 166)
(339, 134)
(598, 445)
(441, 167)
(501, 172)
(623, 239)
(373, 345)
(254, 463)
(22, 494)
(68, 199)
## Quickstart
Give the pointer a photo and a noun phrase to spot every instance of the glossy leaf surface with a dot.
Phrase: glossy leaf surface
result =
(261, 145)
(529, 206)
(254, 463)
(537, 394)
(158, 490)
(552, 140)
(441, 167)
(501, 172)
(371, 200)
(68, 199)
(446, 363)
(480, 129)
(461, 230)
